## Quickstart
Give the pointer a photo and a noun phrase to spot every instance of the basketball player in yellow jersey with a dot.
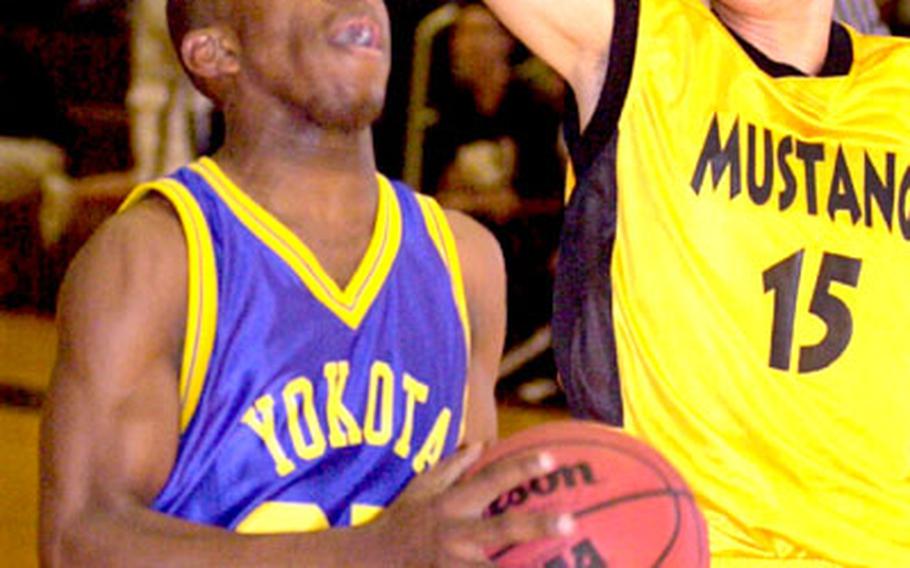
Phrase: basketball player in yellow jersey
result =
(733, 269)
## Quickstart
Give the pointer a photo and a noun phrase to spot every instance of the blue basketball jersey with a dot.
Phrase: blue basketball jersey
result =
(303, 405)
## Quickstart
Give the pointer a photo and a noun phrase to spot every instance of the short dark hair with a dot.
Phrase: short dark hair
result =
(178, 21)
(186, 15)
(183, 16)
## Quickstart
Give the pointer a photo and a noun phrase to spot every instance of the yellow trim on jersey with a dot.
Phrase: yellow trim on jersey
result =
(202, 291)
(276, 517)
(349, 305)
(424, 202)
(571, 180)
(441, 234)
(438, 228)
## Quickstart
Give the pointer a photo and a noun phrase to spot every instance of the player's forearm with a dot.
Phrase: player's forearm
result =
(572, 36)
(566, 34)
(145, 538)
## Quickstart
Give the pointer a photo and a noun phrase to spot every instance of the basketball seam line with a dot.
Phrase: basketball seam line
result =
(656, 468)
(674, 493)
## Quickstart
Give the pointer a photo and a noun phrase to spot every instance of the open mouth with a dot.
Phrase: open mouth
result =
(360, 32)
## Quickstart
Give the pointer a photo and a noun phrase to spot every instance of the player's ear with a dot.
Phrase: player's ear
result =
(210, 53)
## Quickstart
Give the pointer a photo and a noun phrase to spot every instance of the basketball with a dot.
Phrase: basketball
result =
(631, 507)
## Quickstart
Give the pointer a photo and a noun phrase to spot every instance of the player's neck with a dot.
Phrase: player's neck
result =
(317, 154)
(293, 174)
(253, 144)
(262, 130)
(796, 34)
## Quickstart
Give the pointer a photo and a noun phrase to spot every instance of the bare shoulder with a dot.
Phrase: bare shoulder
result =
(476, 244)
(482, 263)
(135, 248)
(152, 218)
(127, 281)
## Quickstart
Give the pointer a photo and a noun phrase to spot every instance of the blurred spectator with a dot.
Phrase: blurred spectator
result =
(169, 119)
(494, 153)
(497, 137)
(389, 131)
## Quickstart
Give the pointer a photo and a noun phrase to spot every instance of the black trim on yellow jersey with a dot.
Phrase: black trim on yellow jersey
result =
(585, 147)
(838, 60)
(584, 345)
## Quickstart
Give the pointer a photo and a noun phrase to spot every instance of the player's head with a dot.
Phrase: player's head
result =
(327, 61)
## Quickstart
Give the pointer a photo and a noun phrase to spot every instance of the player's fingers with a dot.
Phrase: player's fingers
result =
(476, 541)
(460, 550)
(474, 564)
(471, 496)
(446, 472)
(453, 468)
(515, 528)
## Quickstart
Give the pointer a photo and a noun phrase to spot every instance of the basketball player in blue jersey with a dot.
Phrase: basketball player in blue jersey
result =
(277, 339)
(732, 269)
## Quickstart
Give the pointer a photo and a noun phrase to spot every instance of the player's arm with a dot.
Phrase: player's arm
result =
(572, 36)
(110, 434)
(483, 273)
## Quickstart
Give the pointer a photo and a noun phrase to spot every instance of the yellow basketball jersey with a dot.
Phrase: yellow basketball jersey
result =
(758, 283)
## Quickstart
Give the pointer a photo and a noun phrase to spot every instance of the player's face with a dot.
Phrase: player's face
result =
(327, 58)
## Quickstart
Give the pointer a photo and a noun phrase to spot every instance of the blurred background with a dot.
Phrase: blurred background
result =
(92, 101)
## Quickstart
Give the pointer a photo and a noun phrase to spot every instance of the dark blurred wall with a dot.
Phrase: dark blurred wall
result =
(83, 49)
(389, 132)
(37, 12)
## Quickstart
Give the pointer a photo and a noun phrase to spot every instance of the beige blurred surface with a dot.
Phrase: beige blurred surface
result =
(18, 487)
(27, 349)
(28, 345)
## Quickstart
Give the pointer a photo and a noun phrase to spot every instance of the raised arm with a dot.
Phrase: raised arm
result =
(572, 36)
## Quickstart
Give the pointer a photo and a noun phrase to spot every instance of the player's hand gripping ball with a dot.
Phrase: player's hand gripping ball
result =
(632, 509)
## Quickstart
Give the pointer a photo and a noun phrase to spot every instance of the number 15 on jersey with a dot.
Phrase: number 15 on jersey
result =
(783, 281)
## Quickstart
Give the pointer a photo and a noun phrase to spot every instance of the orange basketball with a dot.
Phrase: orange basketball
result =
(631, 507)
